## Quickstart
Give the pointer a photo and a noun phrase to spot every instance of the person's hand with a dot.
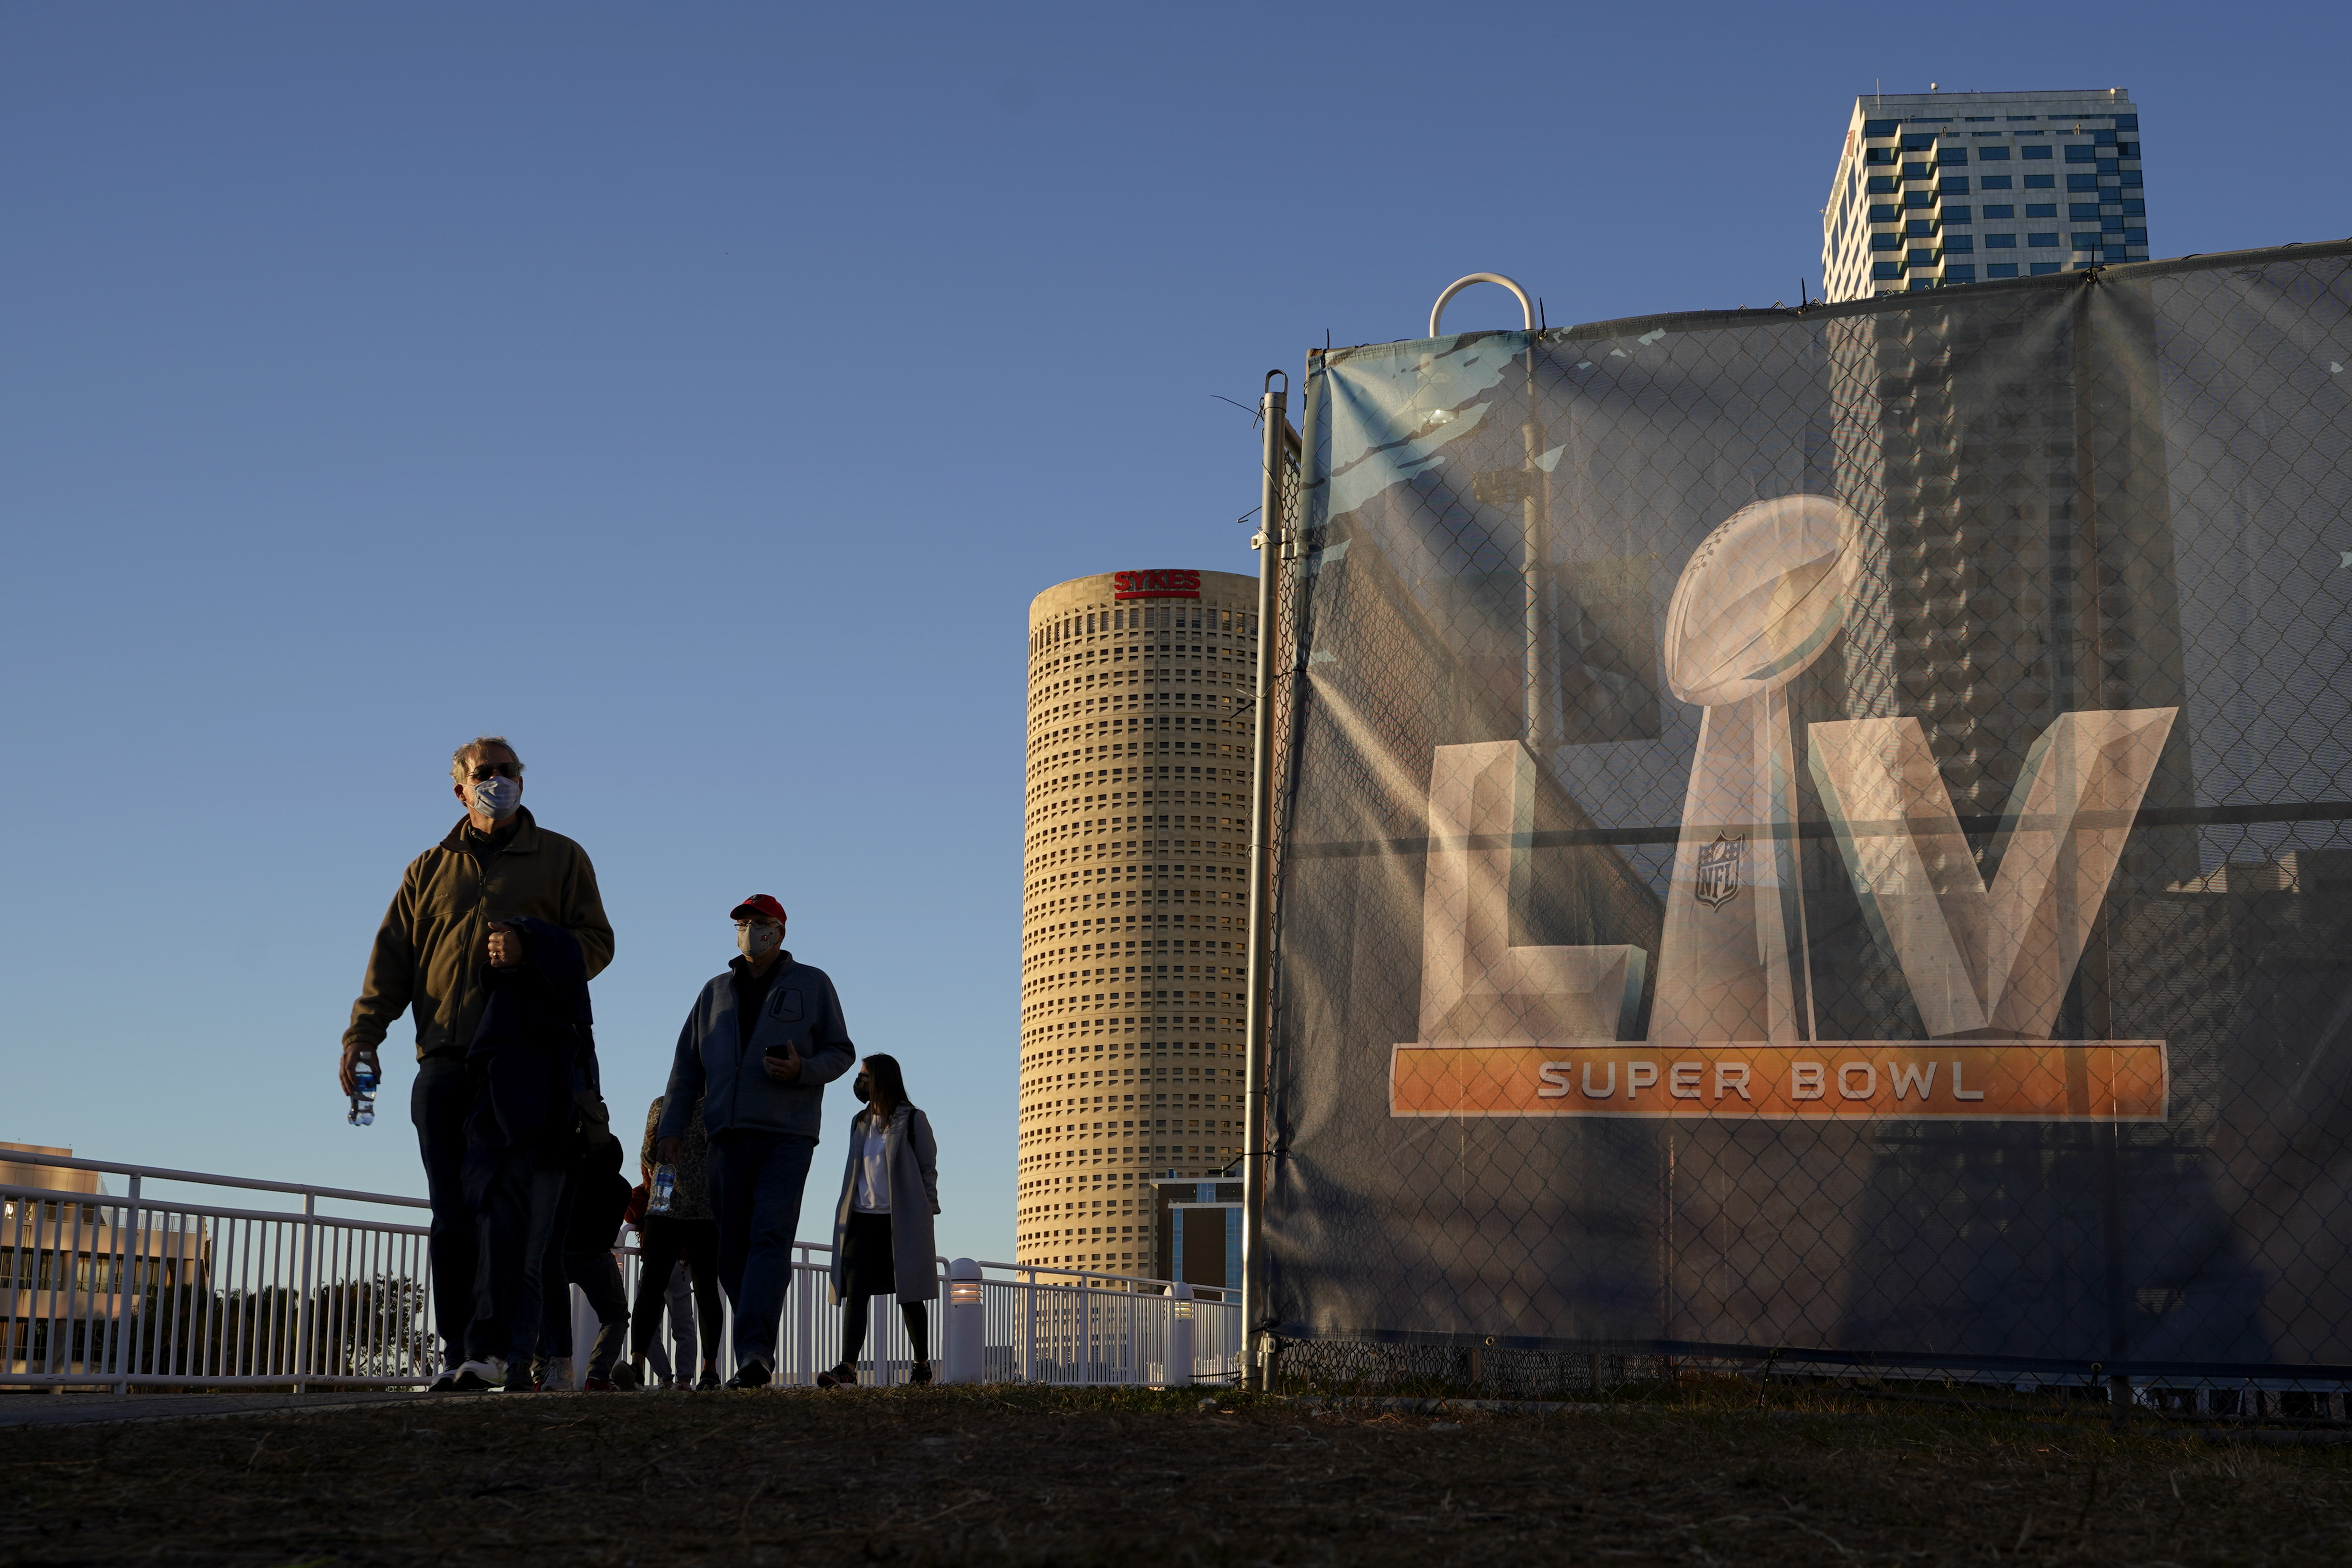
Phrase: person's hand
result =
(505, 949)
(785, 1069)
(353, 1056)
(669, 1149)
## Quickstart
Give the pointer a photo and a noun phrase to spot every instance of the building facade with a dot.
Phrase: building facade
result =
(1936, 188)
(1134, 905)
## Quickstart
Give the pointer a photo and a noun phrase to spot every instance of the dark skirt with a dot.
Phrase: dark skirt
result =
(866, 1266)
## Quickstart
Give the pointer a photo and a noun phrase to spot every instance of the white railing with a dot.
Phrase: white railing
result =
(131, 1289)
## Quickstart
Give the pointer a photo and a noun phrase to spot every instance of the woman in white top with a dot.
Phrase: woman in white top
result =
(882, 1227)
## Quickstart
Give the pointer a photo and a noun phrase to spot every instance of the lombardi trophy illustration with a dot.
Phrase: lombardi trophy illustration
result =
(1759, 600)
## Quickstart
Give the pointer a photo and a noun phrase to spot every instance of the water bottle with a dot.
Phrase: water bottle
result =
(665, 1184)
(362, 1110)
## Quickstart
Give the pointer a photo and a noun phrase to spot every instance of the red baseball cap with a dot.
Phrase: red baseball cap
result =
(759, 906)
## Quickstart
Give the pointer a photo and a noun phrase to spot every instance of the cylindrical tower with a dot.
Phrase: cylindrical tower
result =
(1134, 904)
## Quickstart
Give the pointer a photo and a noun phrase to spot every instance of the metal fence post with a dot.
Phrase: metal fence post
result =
(130, 1241)
(804, 1322)
(1271, 538)
(1029, 1327)
(308, 1282)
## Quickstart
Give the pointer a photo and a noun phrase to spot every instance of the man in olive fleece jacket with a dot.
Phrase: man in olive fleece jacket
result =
(429, 959)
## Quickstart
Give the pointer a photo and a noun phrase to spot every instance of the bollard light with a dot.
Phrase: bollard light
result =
(966, 1328)
(1179, 1369)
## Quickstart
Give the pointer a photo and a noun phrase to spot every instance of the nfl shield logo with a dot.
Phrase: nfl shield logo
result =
(1719, 870)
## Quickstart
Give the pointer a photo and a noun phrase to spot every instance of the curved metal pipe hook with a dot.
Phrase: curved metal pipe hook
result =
(1527, 306)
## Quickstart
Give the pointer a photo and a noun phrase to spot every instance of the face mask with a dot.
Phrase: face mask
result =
(758, 939)
(497, 797)
(863, 1089)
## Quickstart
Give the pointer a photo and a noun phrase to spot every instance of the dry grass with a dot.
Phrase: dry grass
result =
(1029, 1476)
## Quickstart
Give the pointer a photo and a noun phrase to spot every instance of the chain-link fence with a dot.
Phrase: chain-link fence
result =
(1819, 839)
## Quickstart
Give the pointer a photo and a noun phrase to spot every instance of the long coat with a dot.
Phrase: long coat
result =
(913, 1156)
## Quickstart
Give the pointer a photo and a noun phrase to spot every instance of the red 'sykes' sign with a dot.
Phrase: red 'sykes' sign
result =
(1165, 584)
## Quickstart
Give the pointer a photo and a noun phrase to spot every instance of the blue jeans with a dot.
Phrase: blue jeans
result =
(756, 1180)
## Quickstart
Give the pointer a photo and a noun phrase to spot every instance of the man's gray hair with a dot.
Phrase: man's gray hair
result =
(457, 759)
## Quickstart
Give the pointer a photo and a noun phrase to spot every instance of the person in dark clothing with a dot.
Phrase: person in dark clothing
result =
(429, 959)
(598, 1195)
(763, 1041)
(688, 1233)
(882, 1226)
(533, 1067)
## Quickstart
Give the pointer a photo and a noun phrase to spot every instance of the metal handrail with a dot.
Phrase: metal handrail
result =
(200, 1178)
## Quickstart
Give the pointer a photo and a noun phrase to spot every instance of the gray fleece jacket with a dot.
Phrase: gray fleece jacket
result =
(725, 1071)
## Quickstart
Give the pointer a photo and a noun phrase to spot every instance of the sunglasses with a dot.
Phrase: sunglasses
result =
(496, 771)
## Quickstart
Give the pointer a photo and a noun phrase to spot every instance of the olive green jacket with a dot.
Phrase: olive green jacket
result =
(428, 954)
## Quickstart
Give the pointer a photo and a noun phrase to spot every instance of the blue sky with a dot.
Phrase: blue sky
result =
(697, 394)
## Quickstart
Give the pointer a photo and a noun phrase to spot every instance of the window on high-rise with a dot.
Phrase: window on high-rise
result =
(1999, 210)
(2041, 209)
(1993, 154)
(2034, 152)
(1957, 214)
(2001, 270)
(1953, 185)
(2041, 241)
(2041, 182)
(1994, 182)
(2039, 267)
(2000, 242)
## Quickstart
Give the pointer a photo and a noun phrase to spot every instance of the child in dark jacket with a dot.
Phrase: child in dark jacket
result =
(599, 1193)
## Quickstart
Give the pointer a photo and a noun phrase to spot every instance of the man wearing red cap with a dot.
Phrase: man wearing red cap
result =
(761, 1043)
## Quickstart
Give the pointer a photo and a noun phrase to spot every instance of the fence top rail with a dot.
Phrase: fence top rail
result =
(198, 1178)
(160, 1210)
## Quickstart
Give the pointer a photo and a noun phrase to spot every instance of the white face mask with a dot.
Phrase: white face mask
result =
(757, 941)
(497, 797)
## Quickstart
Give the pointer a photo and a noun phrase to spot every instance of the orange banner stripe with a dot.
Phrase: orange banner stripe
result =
(2008, 1081)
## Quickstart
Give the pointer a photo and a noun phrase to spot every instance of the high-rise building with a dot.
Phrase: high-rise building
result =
(1961, 187)
(1134, 904)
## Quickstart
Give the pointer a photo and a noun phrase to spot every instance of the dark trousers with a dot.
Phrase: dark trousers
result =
(519, 1230)
(756, 1179)
(662, 1242)
(858, 1311)
(868, 1269)
(598, 1275)
(438, 1105)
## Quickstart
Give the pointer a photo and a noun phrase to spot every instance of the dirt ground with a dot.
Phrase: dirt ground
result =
(913, 1476)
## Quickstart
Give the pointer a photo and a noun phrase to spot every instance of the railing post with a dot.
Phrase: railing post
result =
(132, 1244)
(1086, 1331)
(1029, 1327)
(804, 1322)
(309, 1280)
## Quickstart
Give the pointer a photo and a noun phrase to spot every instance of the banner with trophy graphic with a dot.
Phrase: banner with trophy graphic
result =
(1829, 830)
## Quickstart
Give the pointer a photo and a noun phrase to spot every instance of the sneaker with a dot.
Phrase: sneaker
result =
(625, 1377)
(444, 1383)
(480, 1377)
(708, 1385)
(920, 1375)
(751, 1374)
(519, 1380)
(600, 1385)
(843, 1376)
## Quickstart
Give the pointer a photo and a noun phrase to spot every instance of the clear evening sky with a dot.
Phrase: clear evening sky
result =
(697, 393)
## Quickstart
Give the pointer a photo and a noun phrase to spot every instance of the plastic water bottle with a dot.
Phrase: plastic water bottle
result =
(362, 1110)
(665, 1187)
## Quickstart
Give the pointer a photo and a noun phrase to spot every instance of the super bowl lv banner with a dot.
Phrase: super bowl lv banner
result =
(1829, 829)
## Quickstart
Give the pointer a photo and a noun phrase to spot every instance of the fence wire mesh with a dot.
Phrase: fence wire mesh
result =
(1823, 835)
